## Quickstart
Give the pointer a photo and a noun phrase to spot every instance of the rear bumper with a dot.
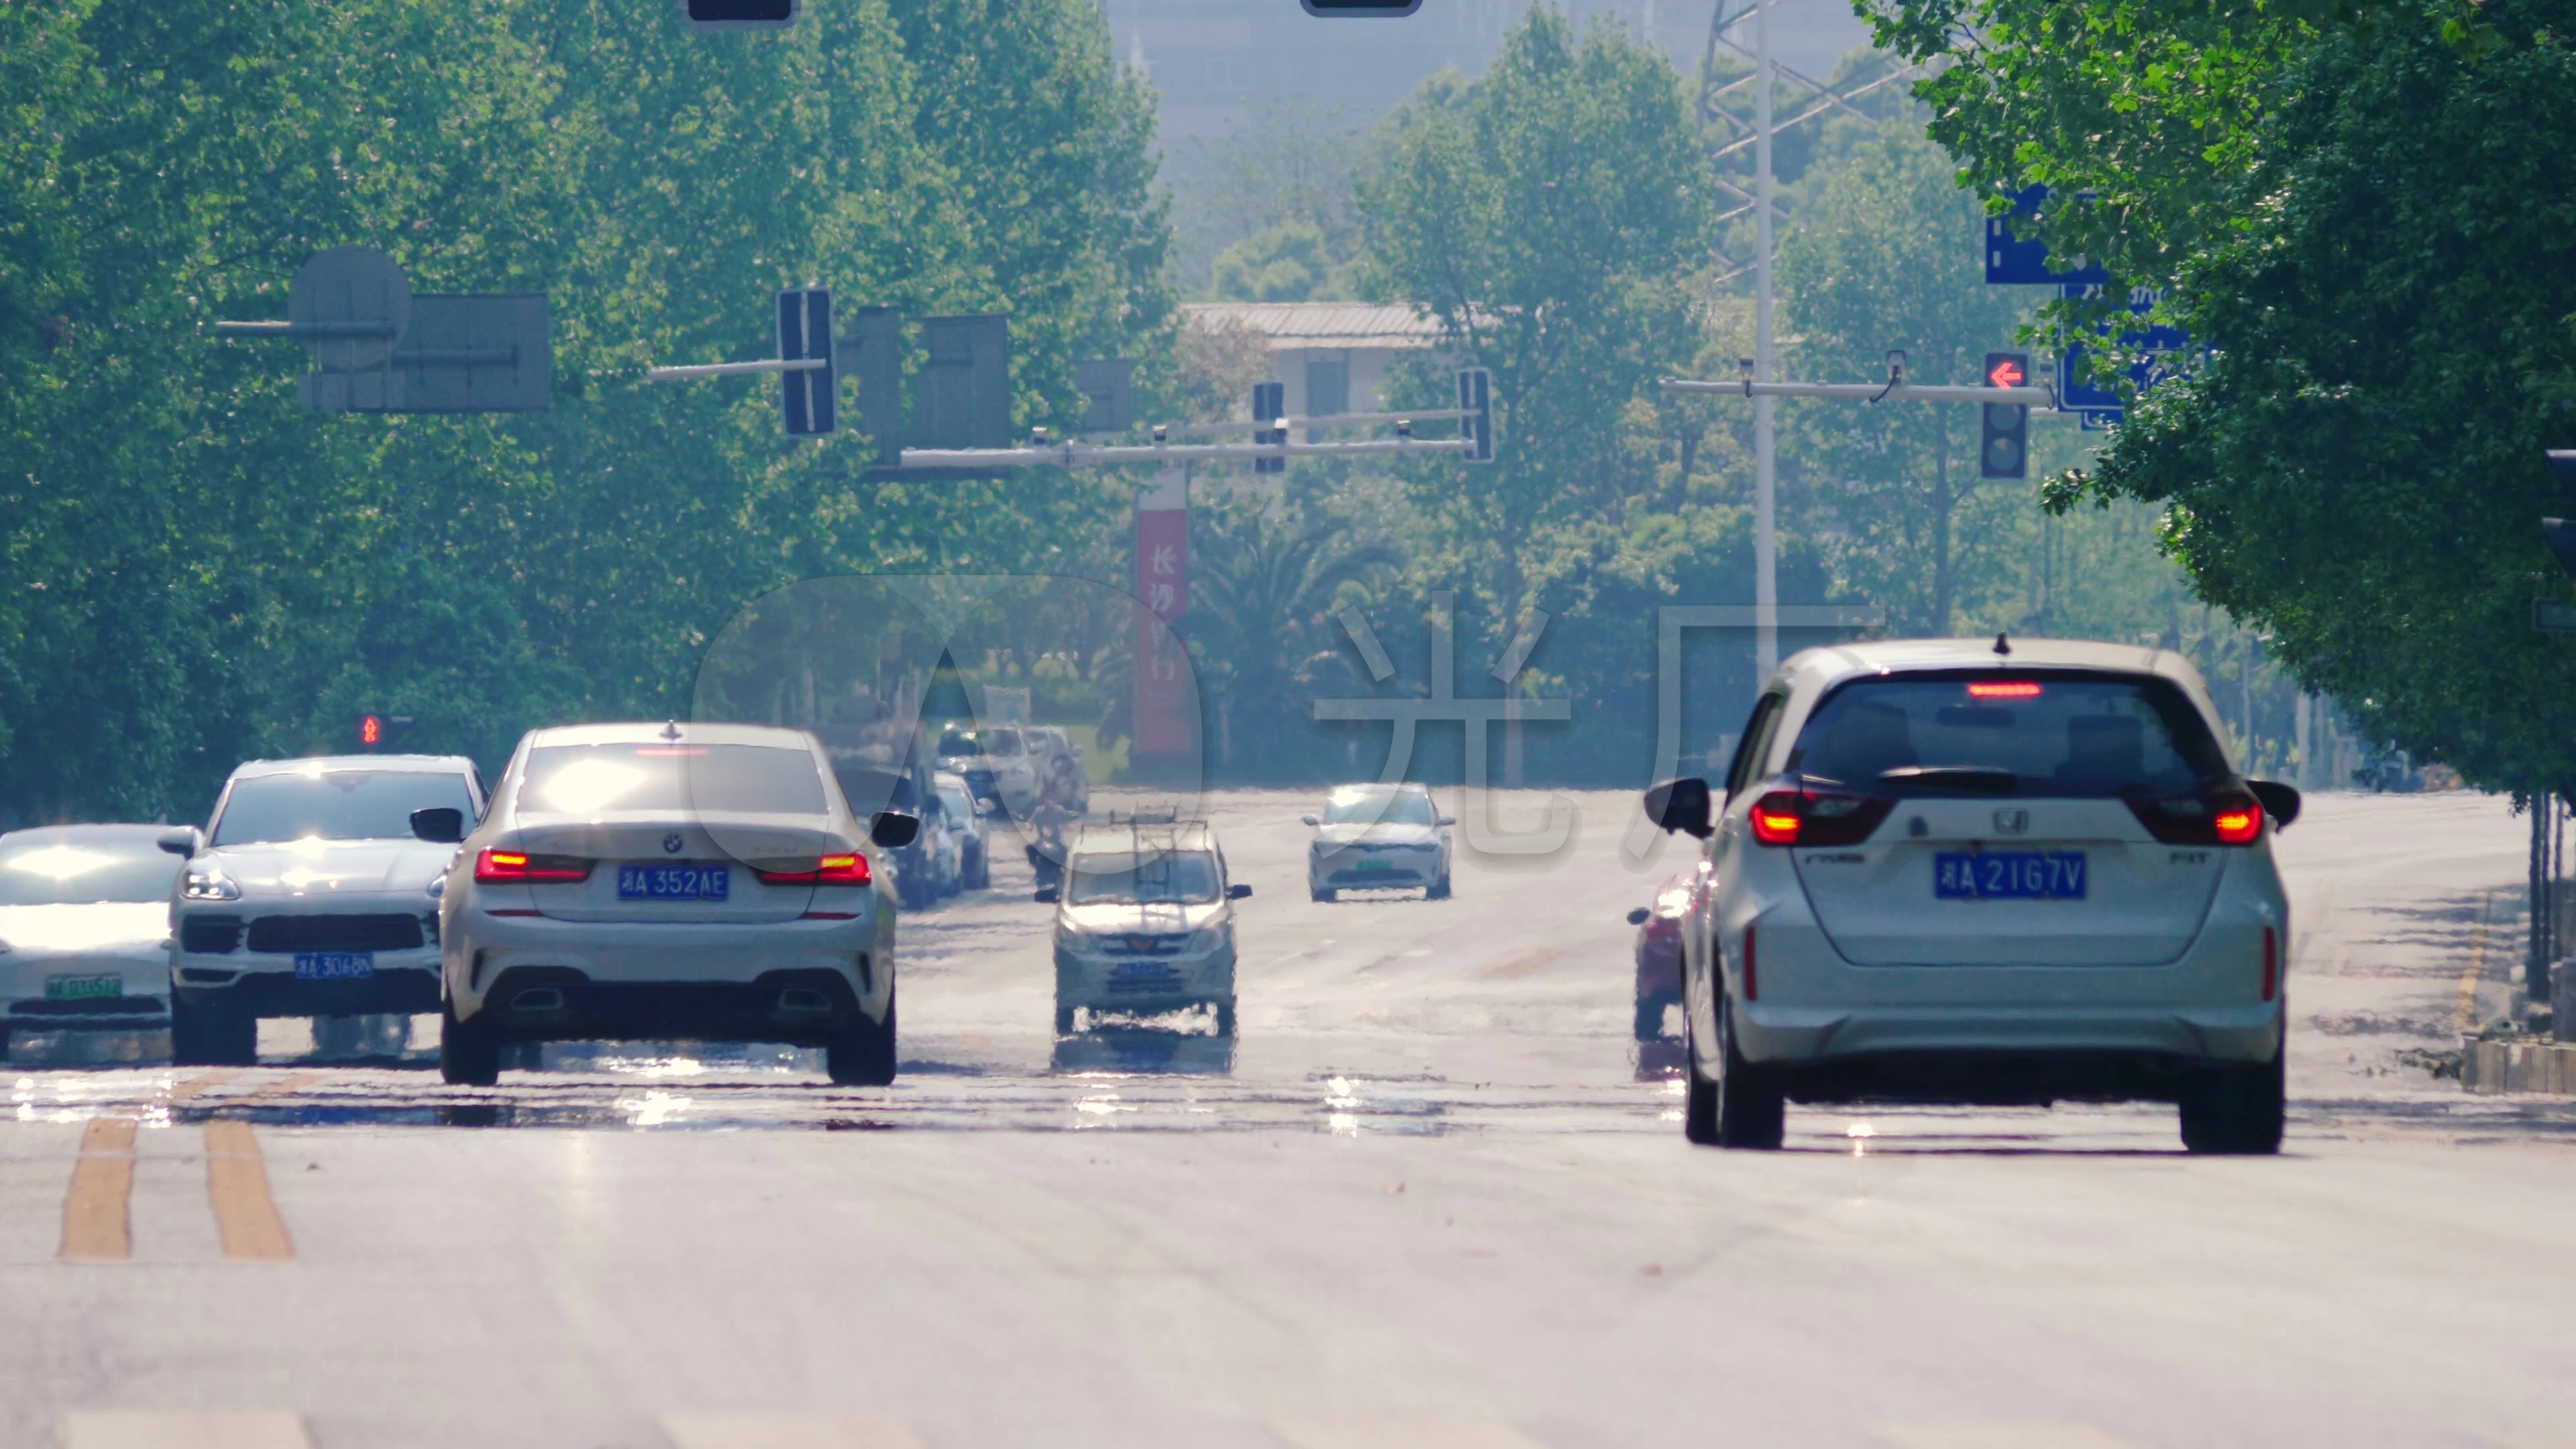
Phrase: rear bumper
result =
(2019, 1077)
(483, 949)
(553, 1003)
(1827, 1035)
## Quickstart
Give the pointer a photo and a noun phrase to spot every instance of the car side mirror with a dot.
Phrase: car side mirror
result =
(439, 825)
(2280, 801)
(1448, 819)
(182, 841)
(1237, 892)
(1308, 819)
(1681, 805)
(1637, 917)
(893, 829)
(1046, 895)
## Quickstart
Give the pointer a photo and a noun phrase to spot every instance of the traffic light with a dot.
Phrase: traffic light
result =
(1476, 395)
(806, 399)
(1269, 404)
(376, 729)
(2005, 450)
(2561, 532)
(739, 14)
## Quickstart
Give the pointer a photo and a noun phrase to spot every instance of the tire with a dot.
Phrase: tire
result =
(1743, 1108)
(1438, 890)
(212, 1033)
(2236, 1111)
(1650, 1018)
(1325, 894)
(982, 877)
(1225, 1016)
(469, 1052)
(1064, 1021)
(863, 1055)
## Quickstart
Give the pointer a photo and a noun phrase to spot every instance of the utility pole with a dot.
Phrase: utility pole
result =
(1766, 545)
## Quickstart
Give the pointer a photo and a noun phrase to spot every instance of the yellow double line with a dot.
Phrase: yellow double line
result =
(97, 1222)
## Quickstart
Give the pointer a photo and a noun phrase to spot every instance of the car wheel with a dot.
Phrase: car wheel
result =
(862, 1055)
(2236, 1110)
(469, 1052)
(1699, 1104)
(212, 1033)
(1064, 1021)
(1439, 889)
(1225, 1016)
(1744, 1107)
(1323, 893)
(1650, 1018)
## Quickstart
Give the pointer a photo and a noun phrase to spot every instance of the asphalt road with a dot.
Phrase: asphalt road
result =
(1431, 1198)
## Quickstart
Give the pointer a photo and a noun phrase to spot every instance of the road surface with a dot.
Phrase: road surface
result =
(1432, 1197)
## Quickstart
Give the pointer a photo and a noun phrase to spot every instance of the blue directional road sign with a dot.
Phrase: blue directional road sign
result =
(2100, 405)
(2011, 261)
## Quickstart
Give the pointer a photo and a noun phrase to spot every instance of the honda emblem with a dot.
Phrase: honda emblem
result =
(2012, 822)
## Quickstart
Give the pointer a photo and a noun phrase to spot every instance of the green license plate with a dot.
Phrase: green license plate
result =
(83, 988)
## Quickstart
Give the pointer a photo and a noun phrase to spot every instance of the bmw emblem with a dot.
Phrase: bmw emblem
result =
(671, 844)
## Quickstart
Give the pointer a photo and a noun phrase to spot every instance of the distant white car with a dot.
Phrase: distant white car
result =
(1144, 924)
(1946, 872)
(996, 764)
(966, 829)
(1379, 837)
(311, 895)
(702, 882)
(84, 929)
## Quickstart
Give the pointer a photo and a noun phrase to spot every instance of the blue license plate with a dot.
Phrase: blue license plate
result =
(681, 881)
(2009, 875)
(1131, 970)
(334, 965)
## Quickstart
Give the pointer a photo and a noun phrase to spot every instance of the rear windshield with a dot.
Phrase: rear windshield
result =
(1161, 878)
(69, 872)
(747, 779)
(2082, 736)
(336, 805)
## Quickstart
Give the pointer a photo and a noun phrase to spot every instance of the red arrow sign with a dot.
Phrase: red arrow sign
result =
(2005, 373)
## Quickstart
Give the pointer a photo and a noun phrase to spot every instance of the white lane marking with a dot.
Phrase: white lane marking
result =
(157, 1429)
(1999, 1436)
(785, 1431)
(1399, 1432)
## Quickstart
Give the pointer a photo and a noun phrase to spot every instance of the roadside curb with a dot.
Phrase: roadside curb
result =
(2490, 1068)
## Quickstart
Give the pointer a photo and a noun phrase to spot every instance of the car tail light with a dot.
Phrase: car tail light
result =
(1752, 984)
(1817, 817)
(2223, 815)
(514, 866)
(831, 870)
(2271, 964)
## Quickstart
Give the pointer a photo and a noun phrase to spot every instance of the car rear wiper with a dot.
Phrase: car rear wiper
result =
(1965, 779)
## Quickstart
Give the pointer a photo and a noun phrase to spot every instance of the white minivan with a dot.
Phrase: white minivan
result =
(2017, 874)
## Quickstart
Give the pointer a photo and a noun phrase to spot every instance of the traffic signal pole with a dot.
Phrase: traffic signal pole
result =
(1766, 539)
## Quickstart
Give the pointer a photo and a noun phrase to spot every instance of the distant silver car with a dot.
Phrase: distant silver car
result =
(1379, 837)
(966, 830)
(703, 882)
(1144, 923)
(310, 895)
(84, 929)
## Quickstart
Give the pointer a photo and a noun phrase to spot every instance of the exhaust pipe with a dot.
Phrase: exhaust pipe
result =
(537, 998)
(803, 1001)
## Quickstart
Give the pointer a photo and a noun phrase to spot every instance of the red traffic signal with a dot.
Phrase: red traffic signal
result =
(2006, 369)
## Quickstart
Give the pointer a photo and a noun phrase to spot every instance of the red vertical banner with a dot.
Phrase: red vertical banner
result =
(1163, 695)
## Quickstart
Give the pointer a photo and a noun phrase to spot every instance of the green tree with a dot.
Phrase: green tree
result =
(1283, 262)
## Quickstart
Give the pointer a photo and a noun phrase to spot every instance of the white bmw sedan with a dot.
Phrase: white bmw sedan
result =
(1944, 872)
(84, 929)
(704, 882)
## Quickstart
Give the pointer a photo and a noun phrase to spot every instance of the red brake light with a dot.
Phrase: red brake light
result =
(1817, 817)
(2004, 689)
(2226, 815)
(840, 870)
(519, 867)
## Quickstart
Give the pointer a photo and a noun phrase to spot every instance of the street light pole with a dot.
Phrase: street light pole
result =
(1766, 561)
